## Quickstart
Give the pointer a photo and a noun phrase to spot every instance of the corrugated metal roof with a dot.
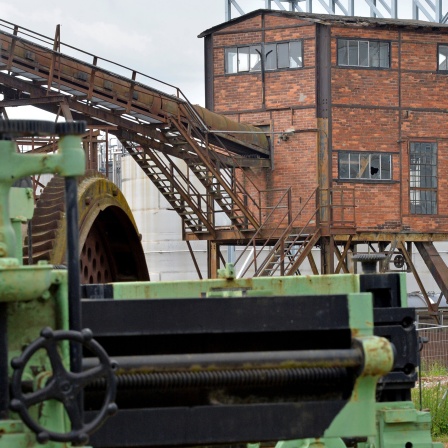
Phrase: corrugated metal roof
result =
(328, 19)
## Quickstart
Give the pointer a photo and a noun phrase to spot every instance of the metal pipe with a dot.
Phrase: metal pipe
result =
(74, 289)
(352, 357)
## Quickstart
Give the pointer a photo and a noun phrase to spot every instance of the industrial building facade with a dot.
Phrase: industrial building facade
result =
(380, 83)
(356, 107)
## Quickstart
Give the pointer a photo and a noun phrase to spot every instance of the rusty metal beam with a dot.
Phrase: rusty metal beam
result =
(54, 145)
(195, 262)
(150, 141)
(436, 265)
(66, 112)
(388, 237)
(88, 110)
(313, 240)
(32, 101)
(341, 258)
(312, 263)
(213, 259)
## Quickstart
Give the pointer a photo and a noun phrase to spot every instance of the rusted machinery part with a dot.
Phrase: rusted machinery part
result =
(110, 248)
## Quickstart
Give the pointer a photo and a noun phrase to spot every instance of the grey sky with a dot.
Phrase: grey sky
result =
(156, 37)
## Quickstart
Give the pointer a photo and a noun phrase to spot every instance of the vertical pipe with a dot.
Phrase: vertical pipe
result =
(324, 153)
(209, 73)
(282, 257)
(107, 154)
(74, 282)
(289, 206)
(74, 290)
(400, 132)
(263, 87)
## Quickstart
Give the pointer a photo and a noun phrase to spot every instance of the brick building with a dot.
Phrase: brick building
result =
(354, 106)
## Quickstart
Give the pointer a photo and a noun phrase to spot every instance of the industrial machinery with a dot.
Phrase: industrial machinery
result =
(110, 247)
(297, 361)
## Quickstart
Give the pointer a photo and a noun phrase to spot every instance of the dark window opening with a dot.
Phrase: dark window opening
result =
(365, 166)
(271, 56)
(443, 58)
(363, 53)
(276, 56)
(423, 178)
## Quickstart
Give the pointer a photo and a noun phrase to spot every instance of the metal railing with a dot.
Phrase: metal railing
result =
(50, 43)
(340, 210)
(272, 234)
(434, 348)
(217, 163)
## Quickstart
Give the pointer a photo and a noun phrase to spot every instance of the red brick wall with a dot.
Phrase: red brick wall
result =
(289, 102)
(375, 123)
(366, 87)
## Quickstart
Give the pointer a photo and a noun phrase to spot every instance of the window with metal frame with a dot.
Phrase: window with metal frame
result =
(423, 178)
(362, 166)
(276, 56)
(363, 53)
(443, 58)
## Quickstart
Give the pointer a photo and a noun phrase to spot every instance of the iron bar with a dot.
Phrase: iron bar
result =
(343, 255)
(226, 378)
(340, 258)
(195, 262)
(349, 358)
(312, 263)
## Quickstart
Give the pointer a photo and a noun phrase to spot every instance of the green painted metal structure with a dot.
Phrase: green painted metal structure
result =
(36, 297)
